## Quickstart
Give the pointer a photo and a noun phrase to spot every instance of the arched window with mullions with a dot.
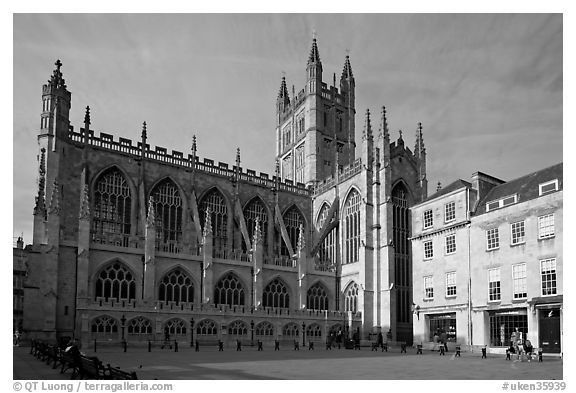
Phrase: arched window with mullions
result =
(326, 258)
(313, 331)
(291, 330)
(255, 209)
(111, 212)
(264, 329)
(168, 214)
(206, 327)
(214, 201)
(229, 290)
(139, 326)
(104, 325)
(116, 282)
(292, 220)
(176, 286)
(351, 298)
(317, 297)
(352, 227)
(238, 328)
(176, 327)
(276, 295)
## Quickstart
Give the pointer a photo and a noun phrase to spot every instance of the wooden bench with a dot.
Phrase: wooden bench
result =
(91, 368)
(69, 360)
(115, 373)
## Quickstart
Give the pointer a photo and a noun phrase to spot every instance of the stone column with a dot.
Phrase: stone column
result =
(150, 254)
(207, 256)
(257, 262)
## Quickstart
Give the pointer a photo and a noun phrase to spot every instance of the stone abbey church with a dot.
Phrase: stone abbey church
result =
(132, 241)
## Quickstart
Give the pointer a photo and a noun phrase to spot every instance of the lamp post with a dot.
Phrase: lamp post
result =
(252, 331)
(303, 334)
(191, 332)
(123, 325)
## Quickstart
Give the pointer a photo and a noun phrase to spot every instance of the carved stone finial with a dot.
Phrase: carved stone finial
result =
(194, 149)
(87, 116)
(238, 157)
(144, 133)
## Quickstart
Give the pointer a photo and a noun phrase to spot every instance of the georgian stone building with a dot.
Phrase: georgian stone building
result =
(131, 241)
(488, 259)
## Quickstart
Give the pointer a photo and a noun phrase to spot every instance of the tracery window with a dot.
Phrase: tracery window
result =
(351, 298)
(112, 209)
(214, 201)
(327, 252)
(317, 298)
(238, 328)
(292, 220)
(229, 291)
(276, 295)
(256, 210)
(206, 327)
(176, 286)
(313, 330)
(168, 214)
(140, 325)
(291, 330)
(176, 327)
(115, 282)
(401, 223)
(104, 325)
(264, 329)
(352, 227)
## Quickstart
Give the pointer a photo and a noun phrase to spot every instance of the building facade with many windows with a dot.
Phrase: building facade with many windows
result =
(131, 241)
(508, 262)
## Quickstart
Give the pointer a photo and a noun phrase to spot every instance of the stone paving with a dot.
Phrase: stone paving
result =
(301, 365)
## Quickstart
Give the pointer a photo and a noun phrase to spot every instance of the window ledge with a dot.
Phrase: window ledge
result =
(492, 249)
(450, 296)
(428, 299)
(517, 244)
(546, 238)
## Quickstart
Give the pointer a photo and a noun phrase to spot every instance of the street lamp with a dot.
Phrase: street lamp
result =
(303, 334)
(252, 330)
(191, 332)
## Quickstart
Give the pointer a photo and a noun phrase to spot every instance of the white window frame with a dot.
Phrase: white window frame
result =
(452, 211)
(497, 237)
(451, 284)
(424, 220)
(555, 272)
(428, 285)
(540, 226)
(452, 235)
(519, 239)
(500, 202)
(542, 185)
(492, 280)
(519, 281)
(431, 249)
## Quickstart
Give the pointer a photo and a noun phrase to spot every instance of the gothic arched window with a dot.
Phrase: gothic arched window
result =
(206, 327)
(168, 214)
(256, 209)
(276, 295)
(313, 330)
(115, 281)
(104, 325)
(352, 227)
(176, 286)
(326, 258)
(140, 325)
(176, 327)
(219, 216)
(351, 298)
(291, 330)
(238, 328)
(292, 220)
(111, 214)
(317, 297)
(229, 291)
(264, 329)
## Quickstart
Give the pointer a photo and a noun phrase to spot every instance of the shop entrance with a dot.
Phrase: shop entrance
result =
(549, 330)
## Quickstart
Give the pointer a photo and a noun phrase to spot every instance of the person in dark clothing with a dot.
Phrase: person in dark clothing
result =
(444, 340)
(380, 340)
(339, 338)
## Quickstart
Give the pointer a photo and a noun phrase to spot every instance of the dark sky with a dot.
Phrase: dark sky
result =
(487, 87)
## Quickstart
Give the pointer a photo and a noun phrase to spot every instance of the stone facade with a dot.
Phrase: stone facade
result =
(132, 242)
(506, 266)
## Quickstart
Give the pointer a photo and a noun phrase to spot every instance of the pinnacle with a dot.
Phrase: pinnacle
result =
(314, 54)
(347, 71)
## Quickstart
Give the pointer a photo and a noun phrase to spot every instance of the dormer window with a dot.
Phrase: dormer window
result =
(509, 200)
(548, 187)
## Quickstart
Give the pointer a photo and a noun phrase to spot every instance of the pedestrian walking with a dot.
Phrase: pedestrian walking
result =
(444, 339)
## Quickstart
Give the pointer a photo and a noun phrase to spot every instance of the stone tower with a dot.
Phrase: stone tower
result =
(315, 127)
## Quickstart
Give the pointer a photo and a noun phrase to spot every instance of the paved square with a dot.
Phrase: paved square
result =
(301, 365)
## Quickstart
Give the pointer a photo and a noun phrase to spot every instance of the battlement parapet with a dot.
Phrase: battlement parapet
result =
(160, 154)
(348, 172)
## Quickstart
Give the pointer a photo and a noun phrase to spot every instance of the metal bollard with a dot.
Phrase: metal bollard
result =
(124, 345)
(94, 345)
(175, 346)
(149, 346)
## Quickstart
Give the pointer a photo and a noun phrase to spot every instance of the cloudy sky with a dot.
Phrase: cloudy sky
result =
(487, 88)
